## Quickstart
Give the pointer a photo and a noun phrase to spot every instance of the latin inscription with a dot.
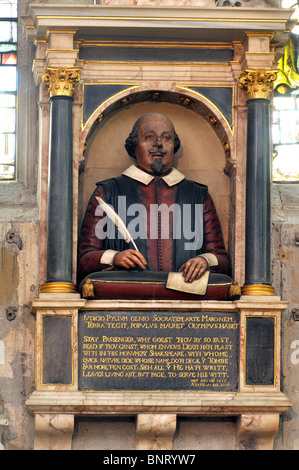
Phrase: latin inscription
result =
(158, 351)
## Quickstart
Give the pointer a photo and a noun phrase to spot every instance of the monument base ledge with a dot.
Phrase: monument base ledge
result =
(135, 402)
(55, 403)
(256, 413)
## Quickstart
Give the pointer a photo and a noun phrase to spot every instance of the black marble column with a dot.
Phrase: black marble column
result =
(258, 86)
(60, 192)
(258, 194)
(61, 82)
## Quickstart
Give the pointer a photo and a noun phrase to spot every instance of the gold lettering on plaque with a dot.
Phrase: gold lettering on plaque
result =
(203, 360)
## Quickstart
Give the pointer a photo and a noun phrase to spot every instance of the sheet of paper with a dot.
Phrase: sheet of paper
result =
(175, 281)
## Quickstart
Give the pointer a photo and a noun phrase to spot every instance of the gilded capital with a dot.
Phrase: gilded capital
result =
(258, 83)
(61, 80)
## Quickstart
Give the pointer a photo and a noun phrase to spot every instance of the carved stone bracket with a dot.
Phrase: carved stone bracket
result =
(61, 80)
(256, 431)
(258, 83)
(155, 431)
(53, 431)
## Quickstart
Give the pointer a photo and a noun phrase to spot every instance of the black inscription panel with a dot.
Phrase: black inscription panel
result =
(158, 351)
(57, 349)
(260, 350)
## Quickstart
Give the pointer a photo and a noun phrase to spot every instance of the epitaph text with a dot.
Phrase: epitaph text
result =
(131, 350)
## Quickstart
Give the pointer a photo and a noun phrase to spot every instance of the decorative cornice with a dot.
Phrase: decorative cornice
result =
(61, 81)
(222, 24)
(258, 83)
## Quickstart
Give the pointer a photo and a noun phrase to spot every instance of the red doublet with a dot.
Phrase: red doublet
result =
(160, 250)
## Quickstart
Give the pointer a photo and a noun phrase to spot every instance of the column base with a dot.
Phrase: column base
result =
(257, 289)
(57, 287)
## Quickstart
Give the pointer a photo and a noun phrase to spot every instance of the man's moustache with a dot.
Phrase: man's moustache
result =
(161, 152)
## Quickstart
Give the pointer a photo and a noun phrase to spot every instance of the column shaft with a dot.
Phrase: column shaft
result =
(60, 192)
(258, 194)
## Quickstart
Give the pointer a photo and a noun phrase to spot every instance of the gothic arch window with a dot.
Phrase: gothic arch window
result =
(8, 87)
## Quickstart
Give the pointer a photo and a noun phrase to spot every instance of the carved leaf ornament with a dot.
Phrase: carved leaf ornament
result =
(258, 83)
(61, 80)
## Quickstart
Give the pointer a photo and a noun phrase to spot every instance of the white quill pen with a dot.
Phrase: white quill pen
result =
(117, 221)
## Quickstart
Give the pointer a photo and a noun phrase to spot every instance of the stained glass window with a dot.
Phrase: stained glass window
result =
(285, 129)
(286, 138)
(8, 87)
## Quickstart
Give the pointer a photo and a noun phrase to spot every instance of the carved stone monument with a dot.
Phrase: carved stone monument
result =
(113, 341)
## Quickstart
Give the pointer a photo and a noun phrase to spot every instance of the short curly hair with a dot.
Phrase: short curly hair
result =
(131, 140)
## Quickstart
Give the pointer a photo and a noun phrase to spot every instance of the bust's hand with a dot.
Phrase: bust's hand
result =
(129, 259)
(193, 268)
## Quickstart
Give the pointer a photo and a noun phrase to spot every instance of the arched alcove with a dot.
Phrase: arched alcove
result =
(202, 156)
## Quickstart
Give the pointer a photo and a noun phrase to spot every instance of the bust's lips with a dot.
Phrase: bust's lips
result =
(157, 155)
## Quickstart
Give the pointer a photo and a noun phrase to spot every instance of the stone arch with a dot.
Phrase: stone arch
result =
(183, 96)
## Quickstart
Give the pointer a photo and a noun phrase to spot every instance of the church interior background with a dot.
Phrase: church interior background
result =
(205, 64)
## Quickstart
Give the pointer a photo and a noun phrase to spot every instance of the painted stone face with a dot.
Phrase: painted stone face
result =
(155, 144)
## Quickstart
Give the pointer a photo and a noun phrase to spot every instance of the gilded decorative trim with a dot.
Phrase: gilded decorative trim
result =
(164, 45)
(57, 287)
(258, 84)
(61, 81)
(88, 290)
(213, 120)
(125, 100)
(257, 289)
(161, 18)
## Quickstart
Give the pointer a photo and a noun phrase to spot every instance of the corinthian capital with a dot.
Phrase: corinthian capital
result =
(61, 80)
(257, 83)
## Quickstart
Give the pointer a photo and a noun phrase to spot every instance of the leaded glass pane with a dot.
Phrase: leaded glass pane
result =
(286, 163)
(7, 101)
(8, 47)
(285, 135)
(7, 148)
(8, 9)
(7, 119)
(284, 103)
(8, 31)
(289, 121)
(7, 172)
(8, 87)
(8, 78)
(275, 134)
(9, 58)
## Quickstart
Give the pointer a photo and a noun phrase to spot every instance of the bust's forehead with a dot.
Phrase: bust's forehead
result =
(155, 121)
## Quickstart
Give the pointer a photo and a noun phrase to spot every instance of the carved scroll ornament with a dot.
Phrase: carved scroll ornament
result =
(258, 83)
(61, 80)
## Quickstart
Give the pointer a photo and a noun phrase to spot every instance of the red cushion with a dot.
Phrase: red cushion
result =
(149, 286)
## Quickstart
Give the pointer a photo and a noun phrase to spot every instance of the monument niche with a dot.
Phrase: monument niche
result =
(151, 234)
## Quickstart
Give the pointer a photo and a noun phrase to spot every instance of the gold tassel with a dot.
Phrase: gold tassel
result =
(87, 290)
(234, 291)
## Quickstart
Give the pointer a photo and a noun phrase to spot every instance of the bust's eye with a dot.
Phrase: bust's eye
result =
(149, 137)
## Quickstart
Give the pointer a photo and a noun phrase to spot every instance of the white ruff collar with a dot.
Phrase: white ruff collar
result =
(172, 178)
